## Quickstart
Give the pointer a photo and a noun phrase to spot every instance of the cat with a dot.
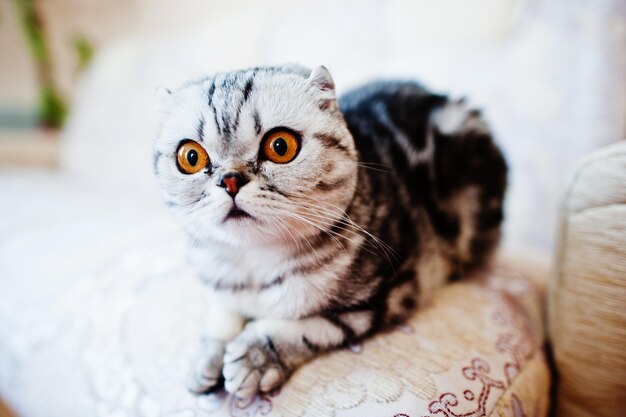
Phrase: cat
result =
(316, 221)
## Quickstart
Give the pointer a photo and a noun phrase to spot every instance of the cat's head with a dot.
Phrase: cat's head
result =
(256, 157)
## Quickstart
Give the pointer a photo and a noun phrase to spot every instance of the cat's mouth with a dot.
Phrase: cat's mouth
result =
(236, 213)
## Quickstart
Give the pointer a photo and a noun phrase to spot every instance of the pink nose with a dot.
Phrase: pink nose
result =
(232, 181)
(232, 185)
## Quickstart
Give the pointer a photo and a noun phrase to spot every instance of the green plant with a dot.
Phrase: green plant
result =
(84, 51)
(52, 108)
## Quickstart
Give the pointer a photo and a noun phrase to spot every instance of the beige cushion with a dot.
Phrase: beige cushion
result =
(588, 293)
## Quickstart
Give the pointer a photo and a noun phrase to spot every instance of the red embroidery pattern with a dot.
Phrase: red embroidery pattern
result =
(518, 351)
(517, 343)
(478, 369)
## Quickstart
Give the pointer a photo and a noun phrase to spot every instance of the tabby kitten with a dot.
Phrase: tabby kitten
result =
(316, 222)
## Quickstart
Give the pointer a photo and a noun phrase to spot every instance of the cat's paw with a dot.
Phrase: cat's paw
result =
(205, 374)
(251, 366)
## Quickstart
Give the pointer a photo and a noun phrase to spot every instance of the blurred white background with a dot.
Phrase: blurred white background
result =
(549, 74)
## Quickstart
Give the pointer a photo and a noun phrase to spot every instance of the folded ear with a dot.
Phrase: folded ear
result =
(320, 77)
(163, 99)
(321, 80)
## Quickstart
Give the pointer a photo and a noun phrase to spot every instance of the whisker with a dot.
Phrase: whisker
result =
(329, 232)
(349, 221)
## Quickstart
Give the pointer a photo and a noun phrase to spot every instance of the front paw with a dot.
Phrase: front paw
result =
(205, 374)
(252, 365)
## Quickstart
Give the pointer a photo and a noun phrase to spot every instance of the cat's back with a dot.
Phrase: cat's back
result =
(390, 119)
(395, 94)
(424, 153)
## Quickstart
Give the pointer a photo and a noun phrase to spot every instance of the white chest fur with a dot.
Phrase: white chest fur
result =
(257, 282)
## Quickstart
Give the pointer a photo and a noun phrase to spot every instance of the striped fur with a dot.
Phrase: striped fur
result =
(395, 191)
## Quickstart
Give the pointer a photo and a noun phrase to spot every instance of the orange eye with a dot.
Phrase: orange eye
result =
(191, 157)
(281, 146)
